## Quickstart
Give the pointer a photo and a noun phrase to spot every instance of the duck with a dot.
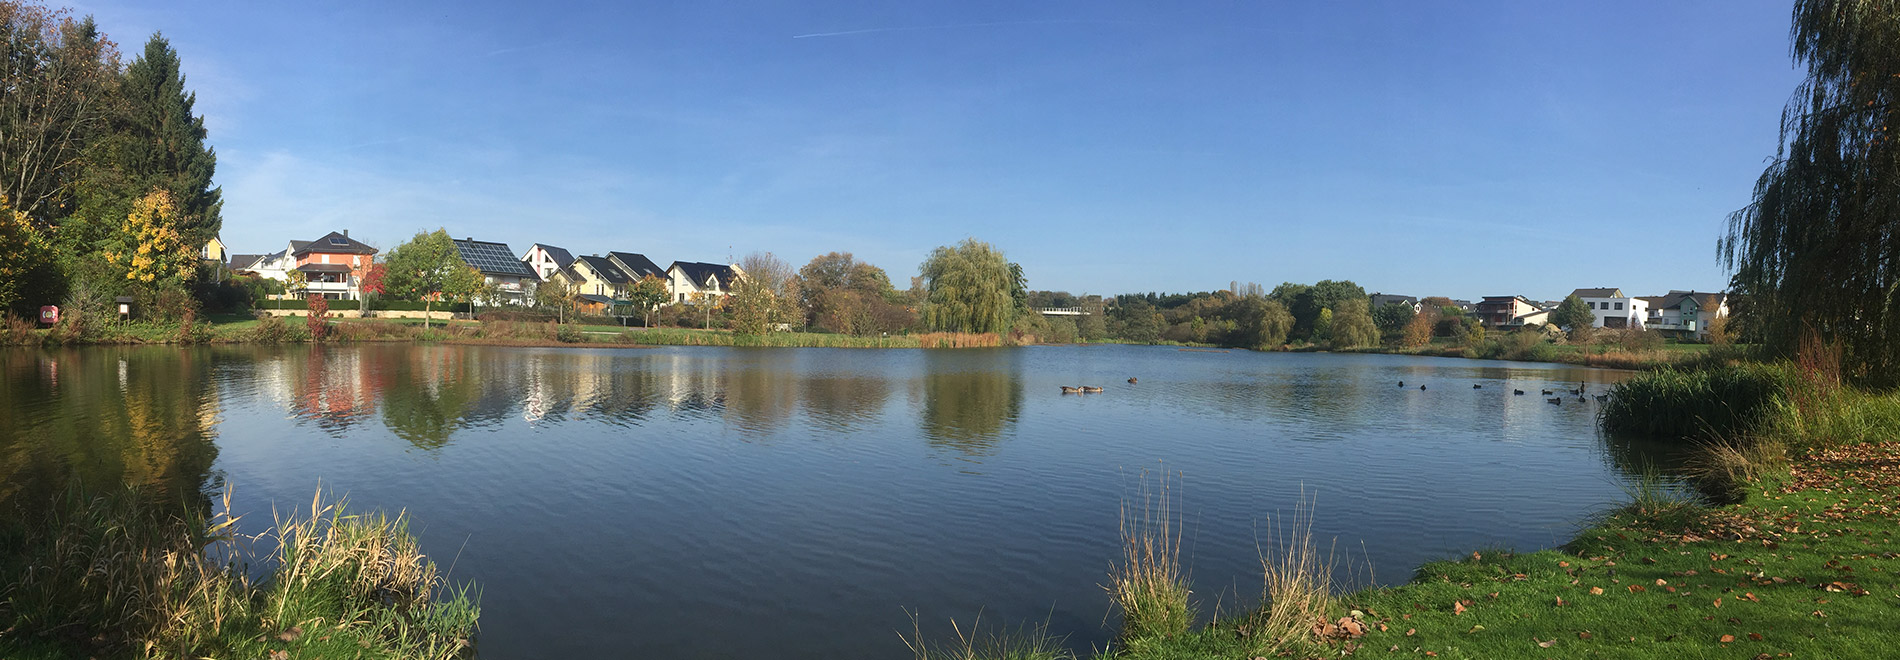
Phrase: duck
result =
(1556, 400)
(1476, 386)
(1071, 390)
(1131, 381)
(1091, 389)
(1401, 383)
(1517, 392)
(1547, 392)
(1421, 388)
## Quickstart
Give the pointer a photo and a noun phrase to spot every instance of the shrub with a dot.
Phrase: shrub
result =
(17, 331)
(318, 321)
(567, 333)
(271, 330)
(1711, 403)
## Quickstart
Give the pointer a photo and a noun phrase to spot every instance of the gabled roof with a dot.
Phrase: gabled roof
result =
(560, 256)
(1391, 299)
(1675, 298)
(704, 273)
(295, 247)
(608, 271)
(532, 272)
(324, 268)
(1607, 292)
(492, 258)
(334, 243)
(244, 261)
(636, 266)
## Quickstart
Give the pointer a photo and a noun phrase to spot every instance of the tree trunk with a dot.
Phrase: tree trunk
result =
(427, 306)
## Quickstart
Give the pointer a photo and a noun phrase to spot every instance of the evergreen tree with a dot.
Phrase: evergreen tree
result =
(153, 142)
(1573, 313)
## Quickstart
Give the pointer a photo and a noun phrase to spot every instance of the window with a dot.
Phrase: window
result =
(1619, 305)
(1592, 305)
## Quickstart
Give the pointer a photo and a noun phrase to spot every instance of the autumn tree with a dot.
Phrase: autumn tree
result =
(971, 287)
(149, 247)
(23, 250)
(556, 295)
(766, 295)
(429, 268)
(849, 296)
(1418, 330)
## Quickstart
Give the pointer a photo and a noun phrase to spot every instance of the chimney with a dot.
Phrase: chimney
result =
(346, 233)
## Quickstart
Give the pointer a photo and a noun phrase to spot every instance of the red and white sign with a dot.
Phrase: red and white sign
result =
(49, 314)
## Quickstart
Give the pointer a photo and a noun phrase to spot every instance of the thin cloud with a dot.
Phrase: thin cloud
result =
(953, 26)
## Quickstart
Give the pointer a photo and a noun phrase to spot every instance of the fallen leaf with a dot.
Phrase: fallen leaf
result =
(1726, 639)
(1457, 608)
(1411, 632)
(1596, 591)
(1583, 635)
(1560, 601)
(1755, 636)
(1661, 582)
(1474, 629)
(1542, 644)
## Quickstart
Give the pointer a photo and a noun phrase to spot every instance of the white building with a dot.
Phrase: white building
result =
(512, 277)
(1613, 309)
(546, 260)
(686, 280)
(1686, 312)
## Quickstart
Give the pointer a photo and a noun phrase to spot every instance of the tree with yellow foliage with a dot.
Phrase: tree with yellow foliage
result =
(149, 246)
(23, 251)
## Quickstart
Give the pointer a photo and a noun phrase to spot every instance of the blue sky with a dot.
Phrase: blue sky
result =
(1426, 148)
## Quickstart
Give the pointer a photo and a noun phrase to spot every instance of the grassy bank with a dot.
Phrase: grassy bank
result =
(241, 329)
(1677, 356)
(128, 575)
(1783, 548)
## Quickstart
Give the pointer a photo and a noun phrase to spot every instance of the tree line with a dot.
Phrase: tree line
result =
(105, 177)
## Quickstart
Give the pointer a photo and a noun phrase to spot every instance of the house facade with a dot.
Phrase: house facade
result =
(1509, 311)
(1613, 309)
(333, 266)
(1686, 312)
(1382, 299)
(546, 260)
(598, 277)
(690, 280)
(499, 268)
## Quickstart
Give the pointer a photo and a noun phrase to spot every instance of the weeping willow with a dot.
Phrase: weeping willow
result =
(971, 288)
(1816, 249)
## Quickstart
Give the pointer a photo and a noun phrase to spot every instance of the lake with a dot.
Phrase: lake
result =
(803, 503)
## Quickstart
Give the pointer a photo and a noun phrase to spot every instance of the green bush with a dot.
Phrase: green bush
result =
(305, 304)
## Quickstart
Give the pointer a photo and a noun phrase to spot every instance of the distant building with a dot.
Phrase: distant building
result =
(1613, 309)
(499, 267)
(1509, 311)
(333, 266)
(688, 278)
(546, 260)
(636, 266)
(1686, 312)
(1382, 299)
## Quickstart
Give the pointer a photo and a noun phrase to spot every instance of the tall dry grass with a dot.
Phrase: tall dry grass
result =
(1149, 586)
(1298, 587)
(133, 574)
(1027, 642)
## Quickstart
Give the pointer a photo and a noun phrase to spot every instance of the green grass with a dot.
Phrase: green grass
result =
(127, 575)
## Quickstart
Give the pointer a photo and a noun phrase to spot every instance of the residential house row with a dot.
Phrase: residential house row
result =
(334, 266)
(1679, 312)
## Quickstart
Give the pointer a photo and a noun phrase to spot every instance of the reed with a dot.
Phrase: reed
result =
(1026, 642)
(133, 573)
(1725, 470)
(1720, 402)
(1148, 586)
(1297, 593)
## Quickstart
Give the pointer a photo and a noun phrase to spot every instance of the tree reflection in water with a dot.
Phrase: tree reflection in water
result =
(970, 399)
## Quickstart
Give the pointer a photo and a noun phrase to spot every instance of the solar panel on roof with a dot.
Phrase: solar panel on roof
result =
(339, 240)
(492, 258)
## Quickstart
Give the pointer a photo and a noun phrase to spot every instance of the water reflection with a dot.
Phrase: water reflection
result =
(970, 400)
(101, 417)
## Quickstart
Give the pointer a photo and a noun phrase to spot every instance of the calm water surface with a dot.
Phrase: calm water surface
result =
(797, 503)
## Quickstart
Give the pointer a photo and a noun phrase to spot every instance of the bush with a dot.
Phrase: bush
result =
(567, 333)
(271, 330)
(17, 331)
(319, 319)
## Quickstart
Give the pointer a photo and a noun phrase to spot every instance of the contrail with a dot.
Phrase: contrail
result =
(952, 26)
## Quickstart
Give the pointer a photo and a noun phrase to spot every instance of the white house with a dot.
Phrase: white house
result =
(1686, 312)
(1613, 309)
(686, 279)
(546, 260)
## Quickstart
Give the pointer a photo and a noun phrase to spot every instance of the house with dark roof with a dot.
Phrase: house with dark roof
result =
(546, 260)
(1613, 309)
(1686, 312)
(1510, 311)
(499, 267)
(636, 266)
(597, 282)
(333, 266)
(1382, 299)
(688, 281)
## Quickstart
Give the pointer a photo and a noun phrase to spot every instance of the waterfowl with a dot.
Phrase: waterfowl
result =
(1401, 383)
(1071, 390)
(1091, 388)
(1421, 388)
(1546, 392)
(1131, 381)
(1557, 400)
(1517, 392)
(1476, 386)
